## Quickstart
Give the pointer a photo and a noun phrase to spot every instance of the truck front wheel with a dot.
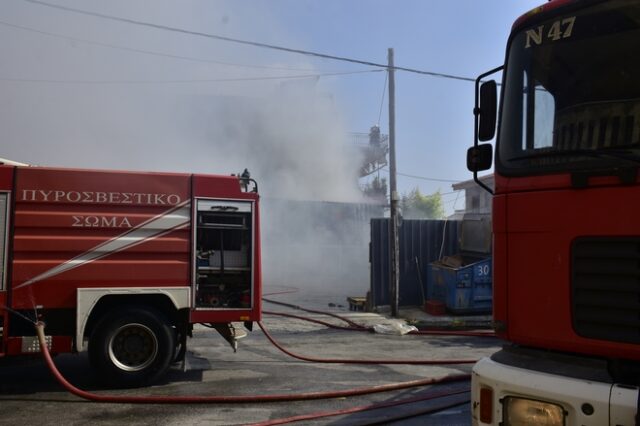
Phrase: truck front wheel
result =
(131, 346)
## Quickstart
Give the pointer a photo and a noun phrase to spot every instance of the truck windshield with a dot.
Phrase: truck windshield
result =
(572, 92)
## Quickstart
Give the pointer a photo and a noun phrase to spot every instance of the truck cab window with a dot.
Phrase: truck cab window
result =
(571, 101)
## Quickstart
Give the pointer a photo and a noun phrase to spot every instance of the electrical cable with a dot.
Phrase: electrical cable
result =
(150, 52)
(384, 91)
(428, 178)
(422, 177)
(444, 229)
(215, 80)
(454, 192)
(246, 42)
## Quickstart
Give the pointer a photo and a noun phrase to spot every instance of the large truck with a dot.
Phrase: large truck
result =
(123, 264)
(566, 209)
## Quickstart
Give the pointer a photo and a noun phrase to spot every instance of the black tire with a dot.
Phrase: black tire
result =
(131, 346)
(180, 350)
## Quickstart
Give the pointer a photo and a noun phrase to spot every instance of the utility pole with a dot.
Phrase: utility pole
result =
(394, 244)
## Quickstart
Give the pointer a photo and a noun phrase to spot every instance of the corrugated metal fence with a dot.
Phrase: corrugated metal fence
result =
(419, 239)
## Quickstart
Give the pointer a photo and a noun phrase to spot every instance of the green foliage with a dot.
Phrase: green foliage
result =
(416, 205)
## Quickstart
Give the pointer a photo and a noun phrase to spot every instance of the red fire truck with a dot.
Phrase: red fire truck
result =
(565, 218)
(123, 264)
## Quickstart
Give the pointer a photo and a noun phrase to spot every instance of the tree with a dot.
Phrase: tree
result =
(415, 205)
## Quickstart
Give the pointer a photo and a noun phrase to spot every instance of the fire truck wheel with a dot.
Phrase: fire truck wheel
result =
(131, 346)
(181, 348)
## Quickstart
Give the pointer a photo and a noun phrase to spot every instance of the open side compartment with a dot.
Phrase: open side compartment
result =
(224, 241)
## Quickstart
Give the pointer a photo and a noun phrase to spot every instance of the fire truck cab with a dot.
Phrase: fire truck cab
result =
(566, 235)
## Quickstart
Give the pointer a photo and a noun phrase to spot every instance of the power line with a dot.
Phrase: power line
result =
(148, 52)
(455, 191)
(454, 201)
(246, 42)
(215, 80)
(428, 178)
(423, 177)
(384, 90)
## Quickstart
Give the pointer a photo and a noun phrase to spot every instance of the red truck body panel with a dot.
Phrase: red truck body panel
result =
(536, 220)
(73, 228)
(86, 220)
(534, 231)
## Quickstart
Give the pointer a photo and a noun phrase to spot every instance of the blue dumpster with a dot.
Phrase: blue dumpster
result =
(462, 283)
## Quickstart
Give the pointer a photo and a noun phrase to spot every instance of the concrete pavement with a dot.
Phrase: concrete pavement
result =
(28, 393)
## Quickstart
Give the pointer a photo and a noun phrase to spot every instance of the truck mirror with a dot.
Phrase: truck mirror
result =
(487, 113)
(479, 157)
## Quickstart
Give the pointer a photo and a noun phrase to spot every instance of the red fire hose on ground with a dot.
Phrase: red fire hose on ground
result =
(371, 330)
(363, 361)
(353, 326)
(230, 399)
(313, 311)
(301, 396)
(371, 407)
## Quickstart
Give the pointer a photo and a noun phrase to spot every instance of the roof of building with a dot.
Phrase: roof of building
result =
(486, 179)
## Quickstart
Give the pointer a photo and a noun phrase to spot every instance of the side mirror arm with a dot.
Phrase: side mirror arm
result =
(477, 112)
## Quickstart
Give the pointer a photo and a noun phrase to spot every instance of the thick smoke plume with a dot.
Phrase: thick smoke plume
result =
(67, 103)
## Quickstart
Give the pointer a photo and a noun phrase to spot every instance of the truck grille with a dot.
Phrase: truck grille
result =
(606, 288)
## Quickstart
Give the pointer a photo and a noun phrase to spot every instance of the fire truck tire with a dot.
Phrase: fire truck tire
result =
(180, 350)
(131, 346)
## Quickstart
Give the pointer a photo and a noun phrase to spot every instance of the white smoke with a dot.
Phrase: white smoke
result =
(68, 110)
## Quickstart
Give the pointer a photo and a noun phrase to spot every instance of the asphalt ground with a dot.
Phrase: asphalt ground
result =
(30, 395)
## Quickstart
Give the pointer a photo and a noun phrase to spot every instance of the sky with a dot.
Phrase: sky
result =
(84, 91)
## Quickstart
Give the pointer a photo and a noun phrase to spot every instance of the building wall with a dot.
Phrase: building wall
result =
(477, 199)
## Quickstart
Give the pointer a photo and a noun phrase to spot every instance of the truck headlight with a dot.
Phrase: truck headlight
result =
(521, 411)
